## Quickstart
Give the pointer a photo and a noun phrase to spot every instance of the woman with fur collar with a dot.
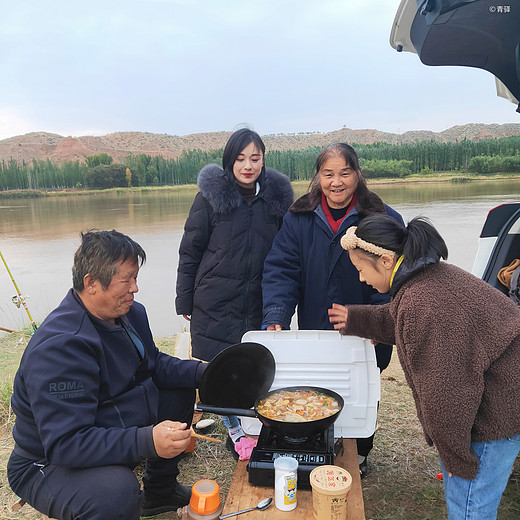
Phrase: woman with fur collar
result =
(229, 231)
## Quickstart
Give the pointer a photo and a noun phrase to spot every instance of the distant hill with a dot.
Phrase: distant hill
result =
(43, 145)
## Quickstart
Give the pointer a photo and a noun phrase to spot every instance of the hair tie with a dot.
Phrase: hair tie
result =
(351, 241)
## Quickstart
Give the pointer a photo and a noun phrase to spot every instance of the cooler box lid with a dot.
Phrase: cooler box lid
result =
(324, 358)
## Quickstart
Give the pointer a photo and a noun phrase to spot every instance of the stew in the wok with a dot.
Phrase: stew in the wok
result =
(297, 406)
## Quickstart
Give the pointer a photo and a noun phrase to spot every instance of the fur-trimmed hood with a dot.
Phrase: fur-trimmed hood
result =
(367, 201)
(221, 191)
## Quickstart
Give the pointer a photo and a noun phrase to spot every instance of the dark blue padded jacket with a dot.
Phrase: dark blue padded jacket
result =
(83, 395)
(307, 268)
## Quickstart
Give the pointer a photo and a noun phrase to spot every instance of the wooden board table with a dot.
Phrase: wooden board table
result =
(243, 495)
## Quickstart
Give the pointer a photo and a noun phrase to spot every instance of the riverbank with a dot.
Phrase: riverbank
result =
(400, 485)
(414, 178)
(45, 230)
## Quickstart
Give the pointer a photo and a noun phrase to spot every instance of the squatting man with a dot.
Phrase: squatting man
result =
(93, 397)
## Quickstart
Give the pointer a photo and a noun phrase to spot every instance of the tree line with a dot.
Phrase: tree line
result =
(377, 160)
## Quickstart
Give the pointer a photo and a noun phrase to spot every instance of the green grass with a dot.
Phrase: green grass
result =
(455, 176)
(461, 179)
(20, 194)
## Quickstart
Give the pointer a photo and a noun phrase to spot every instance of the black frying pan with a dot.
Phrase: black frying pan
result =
(290, 429)
(235, 377)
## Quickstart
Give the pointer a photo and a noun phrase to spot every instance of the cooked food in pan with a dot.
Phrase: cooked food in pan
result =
(297, 406)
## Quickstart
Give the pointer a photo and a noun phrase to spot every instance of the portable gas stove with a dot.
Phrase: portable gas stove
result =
(310, 452)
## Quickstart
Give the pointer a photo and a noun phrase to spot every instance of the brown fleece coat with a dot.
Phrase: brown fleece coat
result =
(458, 341)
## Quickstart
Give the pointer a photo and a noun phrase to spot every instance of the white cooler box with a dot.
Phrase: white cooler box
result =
(344, 364)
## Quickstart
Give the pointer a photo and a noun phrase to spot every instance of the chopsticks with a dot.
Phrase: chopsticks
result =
(205, 437)
(199, 436)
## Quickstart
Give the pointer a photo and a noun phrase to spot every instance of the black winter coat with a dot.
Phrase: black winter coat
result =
(221, 257)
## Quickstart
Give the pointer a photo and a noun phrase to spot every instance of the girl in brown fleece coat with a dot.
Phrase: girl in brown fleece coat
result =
(458, 341)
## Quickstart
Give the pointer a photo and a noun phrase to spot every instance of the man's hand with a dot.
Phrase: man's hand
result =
(170, 438)
(338, 315)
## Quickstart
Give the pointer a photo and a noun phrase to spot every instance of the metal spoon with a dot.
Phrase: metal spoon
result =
(263, 504)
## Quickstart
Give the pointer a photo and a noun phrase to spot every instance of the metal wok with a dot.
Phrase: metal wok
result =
(294, 430)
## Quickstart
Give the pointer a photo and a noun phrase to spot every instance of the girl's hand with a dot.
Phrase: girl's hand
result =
(274, 326)
(338, 315)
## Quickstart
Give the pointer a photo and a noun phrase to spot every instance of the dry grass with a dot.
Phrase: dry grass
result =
(400, 485)
(401, 482)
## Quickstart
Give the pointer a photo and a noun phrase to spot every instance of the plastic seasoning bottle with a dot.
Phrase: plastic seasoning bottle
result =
(285, 480)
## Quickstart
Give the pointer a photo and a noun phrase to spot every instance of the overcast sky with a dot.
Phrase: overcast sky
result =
(188, 66)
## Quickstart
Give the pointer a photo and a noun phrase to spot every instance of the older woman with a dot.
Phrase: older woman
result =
(307, 267)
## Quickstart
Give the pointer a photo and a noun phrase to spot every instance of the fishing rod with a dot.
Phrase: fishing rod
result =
(3, 329)
(20, 298)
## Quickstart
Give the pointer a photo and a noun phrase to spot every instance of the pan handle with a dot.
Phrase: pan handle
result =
(224, 411)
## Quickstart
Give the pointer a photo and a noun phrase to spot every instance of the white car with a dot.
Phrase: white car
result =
(485, 35)
(472, 33)
(499, 243)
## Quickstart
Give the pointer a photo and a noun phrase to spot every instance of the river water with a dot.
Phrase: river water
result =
(38, 238)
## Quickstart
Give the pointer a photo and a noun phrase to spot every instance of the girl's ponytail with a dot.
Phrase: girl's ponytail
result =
(423, 241)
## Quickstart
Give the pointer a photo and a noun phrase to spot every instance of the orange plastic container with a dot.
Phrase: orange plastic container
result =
(205, 500)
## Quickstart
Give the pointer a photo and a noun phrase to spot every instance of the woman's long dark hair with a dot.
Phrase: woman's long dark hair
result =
(236, 143)
(419, 239)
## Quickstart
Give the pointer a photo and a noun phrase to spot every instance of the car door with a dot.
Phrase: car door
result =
(499, 243)
(470, 33)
